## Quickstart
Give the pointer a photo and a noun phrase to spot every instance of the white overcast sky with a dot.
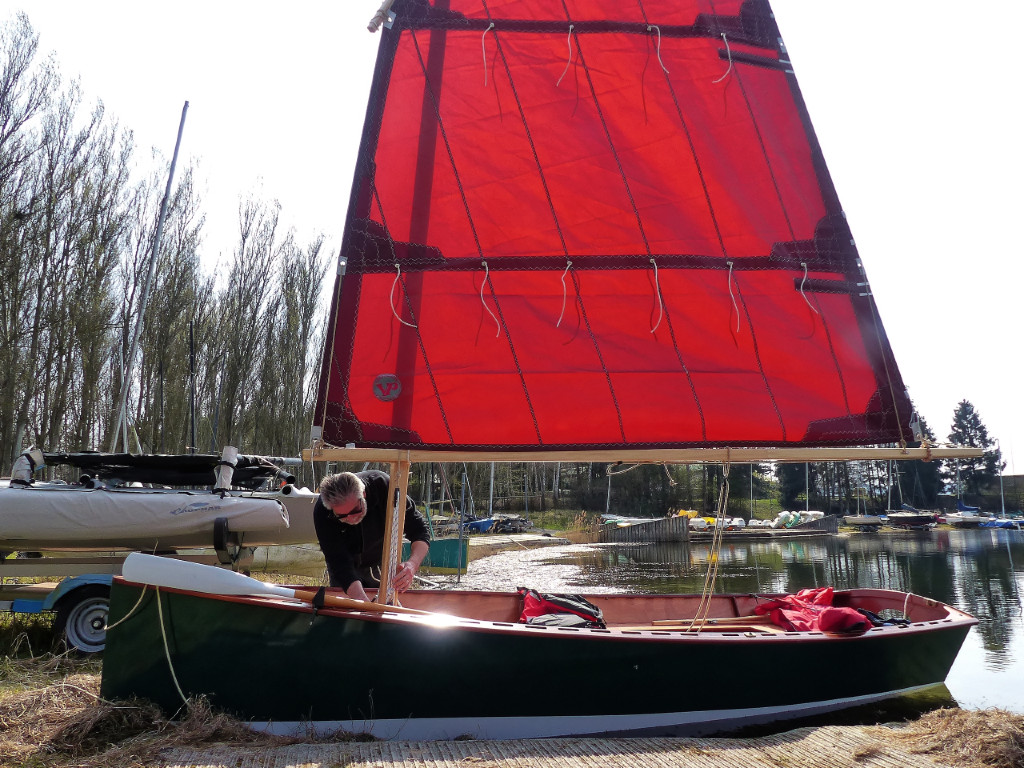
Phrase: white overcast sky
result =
(917, 105)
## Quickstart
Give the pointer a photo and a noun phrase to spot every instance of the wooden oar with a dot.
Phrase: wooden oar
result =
(195, 577)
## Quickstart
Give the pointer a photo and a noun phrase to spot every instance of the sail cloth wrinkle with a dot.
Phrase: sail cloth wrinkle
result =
(610, 168)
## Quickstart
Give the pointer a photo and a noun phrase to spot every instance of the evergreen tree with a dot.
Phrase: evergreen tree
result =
(975, 475)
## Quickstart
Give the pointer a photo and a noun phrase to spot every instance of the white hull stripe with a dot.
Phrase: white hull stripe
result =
(534, 727)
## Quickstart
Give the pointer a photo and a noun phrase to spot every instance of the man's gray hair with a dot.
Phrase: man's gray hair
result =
(334, 489)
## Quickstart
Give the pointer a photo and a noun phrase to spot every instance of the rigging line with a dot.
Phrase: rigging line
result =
(804, 265)
(397, 508)
(608, 469)
(704, 606)
(569, 62)
(657, 291)
(876, 322)
(391, 296)
(657, 29)
(125, 618)
(483, 48)
(167, 649)
(734, 306)
(568, 265)
(483, 282)
(728, 53)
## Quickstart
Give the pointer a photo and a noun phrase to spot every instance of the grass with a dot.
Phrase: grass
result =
(986, 738)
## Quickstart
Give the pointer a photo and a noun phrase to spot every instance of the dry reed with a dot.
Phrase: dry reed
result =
(979, 738)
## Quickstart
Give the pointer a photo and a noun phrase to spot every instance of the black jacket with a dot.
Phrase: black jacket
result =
(351, 550)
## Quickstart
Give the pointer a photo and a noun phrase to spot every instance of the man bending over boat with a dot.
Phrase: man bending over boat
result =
(349, 517)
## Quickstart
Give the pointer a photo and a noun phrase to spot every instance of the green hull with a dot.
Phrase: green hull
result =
(445, 556)
(270, 662)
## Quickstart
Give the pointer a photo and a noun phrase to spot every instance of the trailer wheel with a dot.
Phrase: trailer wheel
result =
(82, 617)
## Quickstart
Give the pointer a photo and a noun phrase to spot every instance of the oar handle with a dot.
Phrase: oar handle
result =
(349, 603)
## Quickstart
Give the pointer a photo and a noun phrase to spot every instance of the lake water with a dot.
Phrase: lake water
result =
(978, 571)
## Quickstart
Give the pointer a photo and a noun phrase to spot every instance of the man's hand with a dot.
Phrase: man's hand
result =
(403, 576)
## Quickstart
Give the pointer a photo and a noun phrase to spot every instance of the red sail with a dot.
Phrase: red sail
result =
(597, 224)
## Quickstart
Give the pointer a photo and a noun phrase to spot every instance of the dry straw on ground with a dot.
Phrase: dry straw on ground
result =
(64, 723)
(986, 738)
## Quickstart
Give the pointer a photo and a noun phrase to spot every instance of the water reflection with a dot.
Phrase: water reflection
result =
(979, 571)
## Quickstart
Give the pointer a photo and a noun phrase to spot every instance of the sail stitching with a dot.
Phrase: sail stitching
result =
(600, 357)
(408, 304)
(835, 359)
(764, 153)
(636, 213)
(613, 148)
(757, 357)
(686, 372)
(515, 357)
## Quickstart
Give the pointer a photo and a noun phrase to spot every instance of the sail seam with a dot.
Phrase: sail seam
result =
(408, 303)
(764, 154)
(757, 357)
(600, 357)
(515, 357)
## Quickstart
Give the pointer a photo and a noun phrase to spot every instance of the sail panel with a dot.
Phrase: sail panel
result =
(632, 244)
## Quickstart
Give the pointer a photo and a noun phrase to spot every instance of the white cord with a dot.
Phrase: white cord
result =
(658, 30)
(728, 53)
(734, 305)
(398, 274)
(657, 291)
(562, 313)
(167, 649)
(569, 42)
(804, 265)
(482, 284)
(483, 48)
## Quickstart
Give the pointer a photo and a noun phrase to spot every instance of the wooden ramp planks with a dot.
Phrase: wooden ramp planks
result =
(826, 747)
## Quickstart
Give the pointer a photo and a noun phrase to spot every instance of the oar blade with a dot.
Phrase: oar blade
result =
(194, 577)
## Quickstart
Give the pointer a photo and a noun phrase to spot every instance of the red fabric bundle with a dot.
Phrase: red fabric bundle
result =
(811, 610)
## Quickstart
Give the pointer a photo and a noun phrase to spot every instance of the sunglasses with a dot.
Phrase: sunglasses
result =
(359, 508)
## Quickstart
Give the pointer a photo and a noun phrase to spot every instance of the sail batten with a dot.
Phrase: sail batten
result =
(619, 234)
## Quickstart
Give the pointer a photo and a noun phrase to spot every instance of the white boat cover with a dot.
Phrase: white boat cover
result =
(55, 517)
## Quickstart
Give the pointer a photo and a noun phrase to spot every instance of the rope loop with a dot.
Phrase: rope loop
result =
(657, 292)
(655, 28)
(483, 48)
(487, 272)
(398, 275)
(728, 52)
(561, 314)
(804, 265)
(569, 62)
(731, 296)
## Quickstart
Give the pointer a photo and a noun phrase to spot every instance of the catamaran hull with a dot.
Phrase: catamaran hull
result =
(403, 676)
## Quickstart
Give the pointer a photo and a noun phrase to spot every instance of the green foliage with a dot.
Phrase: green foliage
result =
(78, 219)
(969, 478)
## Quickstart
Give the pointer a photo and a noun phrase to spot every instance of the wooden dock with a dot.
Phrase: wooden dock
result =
(826, 747)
